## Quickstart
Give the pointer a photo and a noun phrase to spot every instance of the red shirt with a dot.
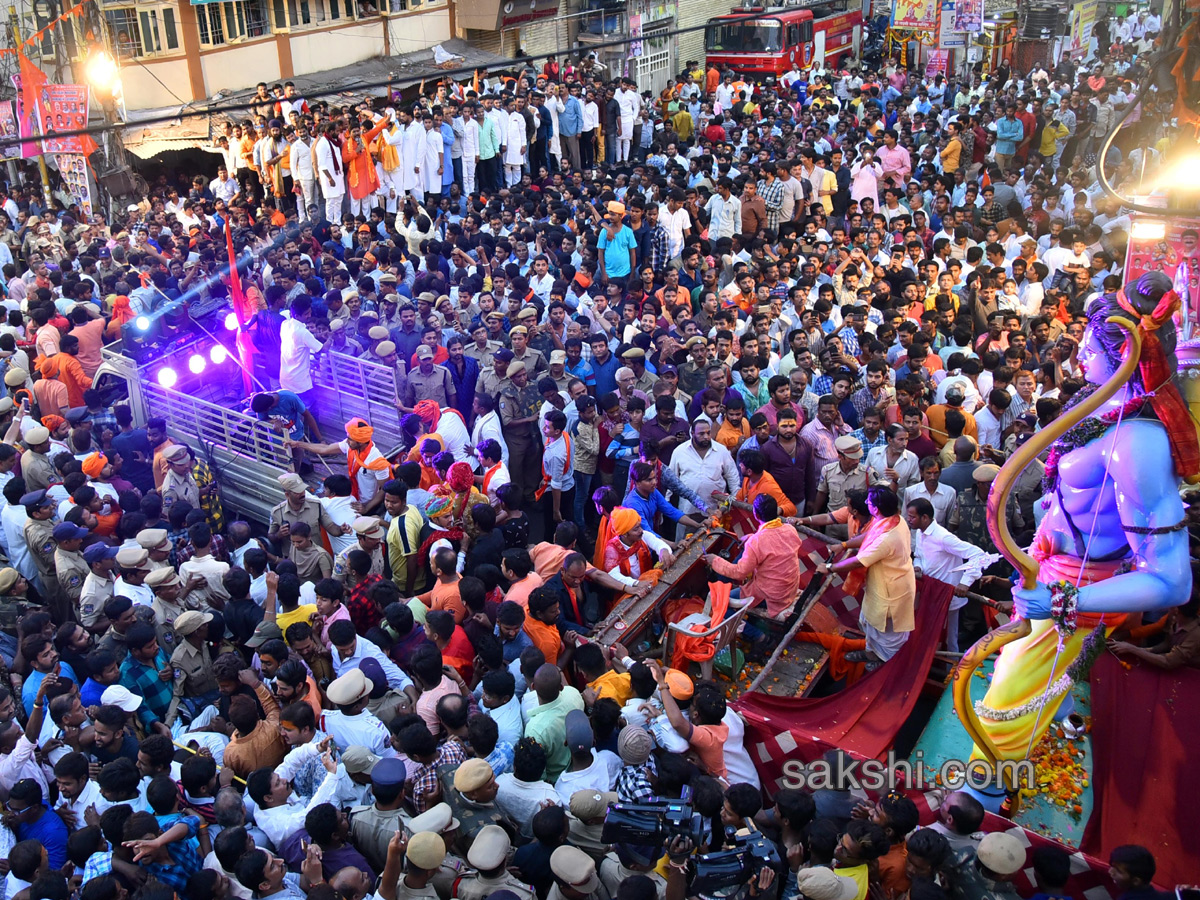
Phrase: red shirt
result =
(460, 653)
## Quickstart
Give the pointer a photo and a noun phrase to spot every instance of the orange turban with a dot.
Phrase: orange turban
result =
(94, 465)
(52, 422)
(623, 520)
(359, 431)
(428, 411)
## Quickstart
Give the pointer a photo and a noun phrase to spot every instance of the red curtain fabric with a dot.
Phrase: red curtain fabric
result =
(1140, 785)
(864, 718)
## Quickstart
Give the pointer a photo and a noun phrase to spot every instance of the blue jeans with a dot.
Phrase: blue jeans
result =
(583, 495)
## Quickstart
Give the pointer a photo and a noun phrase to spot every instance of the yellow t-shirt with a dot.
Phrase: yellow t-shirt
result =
(615, 685)
(301, 613)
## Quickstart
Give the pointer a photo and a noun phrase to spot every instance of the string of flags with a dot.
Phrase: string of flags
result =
(37, 36)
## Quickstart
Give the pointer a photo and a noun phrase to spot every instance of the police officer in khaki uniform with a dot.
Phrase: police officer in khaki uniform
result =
(838, 478)
(372, 827)
(519, 405)
(428, 382)
(134, 565)
(371, 534)
(39, 538)
(98, 587)
(425, 853)
(195, 685)
(13, 605)
(494, 379)
(156, 543)
(558, 370)
(483, 352)
(470, 789)
(635, 358)
(298, 506)
(535, 363)
(69, 566)
(489, 855)
(385, 354)
(172, 598)
(575, 876)
(626, 861)
(36, 468)
(439, 820)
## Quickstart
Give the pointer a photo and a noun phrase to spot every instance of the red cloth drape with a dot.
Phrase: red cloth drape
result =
(864, 718)
(1140, 785)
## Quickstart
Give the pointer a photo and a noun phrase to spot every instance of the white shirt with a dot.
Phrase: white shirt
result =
(600, 776)
(327, 165)
(454, 432)
(22, 764)
(676, 224)
(140, 594)
(488, 427)
(367, 477)
(520, 800)
(943, 499)
(739, 768)
(990, 428)
(908, 467)
(591, 116)
(715, 471)
(558, 461)
(13, 519)
(297, 345)
(224, 190)
(362, 730)
(947, 557)
(362, 649)
(508, 720)
(340, 509)
(280, 821)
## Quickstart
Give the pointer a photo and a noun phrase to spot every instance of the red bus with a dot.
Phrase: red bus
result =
(796, 33)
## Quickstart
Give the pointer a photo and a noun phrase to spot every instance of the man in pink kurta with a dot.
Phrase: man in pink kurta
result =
(896, 162)
(770, 559)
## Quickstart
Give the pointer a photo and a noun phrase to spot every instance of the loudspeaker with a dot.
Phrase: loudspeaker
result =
(119, 181)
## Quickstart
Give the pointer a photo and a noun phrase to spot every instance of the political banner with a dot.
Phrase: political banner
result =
(74, 170)
(9, 131)
(27, 127)
(62, 107)
(938, 63)
(1170, 246)
(1083, 20)
(919, 14)
(948, 38)
(968, 15)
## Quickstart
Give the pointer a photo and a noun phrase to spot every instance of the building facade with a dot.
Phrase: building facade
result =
(183, 52)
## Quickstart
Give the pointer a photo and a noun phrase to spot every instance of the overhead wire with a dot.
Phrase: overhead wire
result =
(392, 81)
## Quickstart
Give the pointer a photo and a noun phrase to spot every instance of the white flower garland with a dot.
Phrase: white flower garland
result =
(1060, 687)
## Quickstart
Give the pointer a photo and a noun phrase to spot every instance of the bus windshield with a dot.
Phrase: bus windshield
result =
(744, 37)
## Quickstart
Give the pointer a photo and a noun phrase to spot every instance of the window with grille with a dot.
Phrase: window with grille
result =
(223, 23)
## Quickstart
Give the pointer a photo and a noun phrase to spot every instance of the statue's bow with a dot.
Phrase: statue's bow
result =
(1025, 564)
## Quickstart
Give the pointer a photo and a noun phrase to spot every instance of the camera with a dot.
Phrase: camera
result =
(653, 823)
(724, 873)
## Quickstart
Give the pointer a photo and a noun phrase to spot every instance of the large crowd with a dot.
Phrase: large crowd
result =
(835, 303)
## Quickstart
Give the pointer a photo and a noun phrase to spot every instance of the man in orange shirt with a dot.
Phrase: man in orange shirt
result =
(90, 333)
(517, 566)
(156, 433)
(541, 624)
(935, 415)
(444, 594)
(757, 481)
(705, 732)
(64, 367)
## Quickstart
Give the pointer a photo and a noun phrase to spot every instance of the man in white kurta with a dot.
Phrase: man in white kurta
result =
(631, 105)
(431, 165)
(331, 172)
(470, 150)
(514, 144)
(414, 152)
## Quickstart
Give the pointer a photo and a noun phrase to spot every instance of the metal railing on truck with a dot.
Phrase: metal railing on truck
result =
(347, 386)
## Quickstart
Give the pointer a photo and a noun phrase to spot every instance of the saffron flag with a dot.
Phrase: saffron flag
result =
(242, 309)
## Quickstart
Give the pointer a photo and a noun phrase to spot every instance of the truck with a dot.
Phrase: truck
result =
(195, 383)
